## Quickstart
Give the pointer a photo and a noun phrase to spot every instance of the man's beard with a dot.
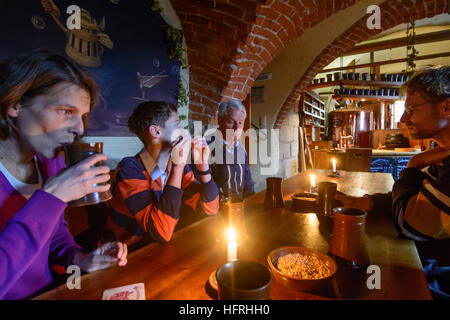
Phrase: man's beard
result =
(418, 135)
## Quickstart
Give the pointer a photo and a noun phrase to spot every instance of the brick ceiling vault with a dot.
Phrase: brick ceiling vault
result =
(229, 42)
(393, 12)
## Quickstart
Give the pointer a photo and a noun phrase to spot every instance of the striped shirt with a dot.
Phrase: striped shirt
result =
(421, 202)
(143, 205)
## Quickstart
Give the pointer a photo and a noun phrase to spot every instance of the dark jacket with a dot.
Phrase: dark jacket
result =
(232, 175)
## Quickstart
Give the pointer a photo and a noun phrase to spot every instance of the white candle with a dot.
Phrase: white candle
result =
(232, 250)
(232, 244)
(313, 181)
(334, 164)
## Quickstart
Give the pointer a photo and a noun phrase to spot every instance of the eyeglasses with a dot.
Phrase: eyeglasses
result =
(410, 110)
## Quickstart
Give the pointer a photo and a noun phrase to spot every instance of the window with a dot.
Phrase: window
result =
(399, 108)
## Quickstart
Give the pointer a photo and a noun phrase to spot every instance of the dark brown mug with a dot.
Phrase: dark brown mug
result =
(274, 194)
(327, 191)
(77, 152)
(243, 280)
(348, 241)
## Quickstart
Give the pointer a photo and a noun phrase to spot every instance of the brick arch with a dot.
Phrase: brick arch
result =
(229, 42)
(276, 24)
(393, 13)
(213, 30)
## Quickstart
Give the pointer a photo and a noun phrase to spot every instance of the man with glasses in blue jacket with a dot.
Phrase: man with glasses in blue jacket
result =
(420, 199)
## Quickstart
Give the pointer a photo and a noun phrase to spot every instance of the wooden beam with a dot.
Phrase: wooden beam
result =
(399, 42)
(374, 64)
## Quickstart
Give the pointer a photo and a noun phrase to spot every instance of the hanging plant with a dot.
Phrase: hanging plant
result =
(175, 36)
(411, 51)
(155, 7)
(182, 95)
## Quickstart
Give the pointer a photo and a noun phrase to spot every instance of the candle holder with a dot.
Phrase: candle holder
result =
(231, 248)
(334, 174)
(231, 215)
(312, 184)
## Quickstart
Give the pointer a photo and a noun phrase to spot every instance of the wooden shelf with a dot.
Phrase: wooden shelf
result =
(314, 107)
(368, 98)
(313, 115)
(316, 125)
(360, 83)
(309, 93)
(310, 104)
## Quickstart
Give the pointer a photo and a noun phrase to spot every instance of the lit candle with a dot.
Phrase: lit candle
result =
(334, 164)
(313, 181)
(232, 245)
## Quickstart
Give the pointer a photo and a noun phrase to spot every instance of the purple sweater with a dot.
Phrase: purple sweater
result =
(33, 236)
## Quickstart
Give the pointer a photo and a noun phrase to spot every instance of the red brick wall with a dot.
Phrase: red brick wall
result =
(276, 24)
(392, 14)
(213, 31)
(231, 41)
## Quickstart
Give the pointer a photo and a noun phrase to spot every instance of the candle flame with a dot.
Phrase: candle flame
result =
(313, 180)
(231, 234)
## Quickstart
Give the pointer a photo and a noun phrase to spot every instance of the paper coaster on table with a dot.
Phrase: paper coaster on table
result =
(131, 292)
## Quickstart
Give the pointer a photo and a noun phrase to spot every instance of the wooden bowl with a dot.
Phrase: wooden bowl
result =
(305, 202)
(295, 283)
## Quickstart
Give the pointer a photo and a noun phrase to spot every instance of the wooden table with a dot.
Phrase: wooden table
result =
(181, 268)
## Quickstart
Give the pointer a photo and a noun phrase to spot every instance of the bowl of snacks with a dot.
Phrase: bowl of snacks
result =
(302, 269)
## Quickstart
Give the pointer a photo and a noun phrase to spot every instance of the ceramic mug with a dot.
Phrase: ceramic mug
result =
(77, 152)
(243, 280)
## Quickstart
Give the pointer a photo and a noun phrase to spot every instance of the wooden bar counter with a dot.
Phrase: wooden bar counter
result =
(181, 268)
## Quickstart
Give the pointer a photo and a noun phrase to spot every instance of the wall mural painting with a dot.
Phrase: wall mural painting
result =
(122, 44)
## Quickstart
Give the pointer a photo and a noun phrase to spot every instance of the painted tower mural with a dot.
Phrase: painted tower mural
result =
(121, 43)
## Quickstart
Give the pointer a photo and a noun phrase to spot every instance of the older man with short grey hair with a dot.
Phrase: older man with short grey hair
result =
(233, 177)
